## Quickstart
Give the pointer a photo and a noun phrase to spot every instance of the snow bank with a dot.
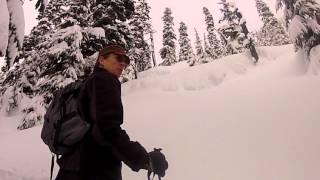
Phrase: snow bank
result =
(23, 155)
(181, 77)
(245, 129)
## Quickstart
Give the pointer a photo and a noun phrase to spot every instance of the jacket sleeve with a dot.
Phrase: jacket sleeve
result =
(107, 110)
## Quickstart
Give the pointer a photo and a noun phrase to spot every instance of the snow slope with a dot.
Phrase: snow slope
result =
(226, 120)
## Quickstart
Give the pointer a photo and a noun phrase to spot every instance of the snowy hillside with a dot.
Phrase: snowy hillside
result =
(275, 62)
(225, 120)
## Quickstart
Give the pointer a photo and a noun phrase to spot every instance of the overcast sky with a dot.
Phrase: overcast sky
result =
(189, 12)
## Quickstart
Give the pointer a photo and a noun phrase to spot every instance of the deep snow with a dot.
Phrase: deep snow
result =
(226, 120)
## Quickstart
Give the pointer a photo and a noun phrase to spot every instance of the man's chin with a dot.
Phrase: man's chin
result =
(119, 74)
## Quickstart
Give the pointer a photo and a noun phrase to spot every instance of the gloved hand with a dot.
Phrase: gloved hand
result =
(159, 164)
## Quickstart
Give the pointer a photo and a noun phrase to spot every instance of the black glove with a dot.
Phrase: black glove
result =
(158, 162)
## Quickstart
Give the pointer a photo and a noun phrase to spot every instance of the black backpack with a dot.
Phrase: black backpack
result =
(63, 126)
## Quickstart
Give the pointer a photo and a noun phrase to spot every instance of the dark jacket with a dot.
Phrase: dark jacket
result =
(106, 144)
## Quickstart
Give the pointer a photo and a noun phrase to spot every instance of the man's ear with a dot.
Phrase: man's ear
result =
(101, 59)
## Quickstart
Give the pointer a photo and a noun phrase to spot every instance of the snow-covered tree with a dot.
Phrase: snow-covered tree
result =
(15, 33)
(302, 21)
(54, 64)
(214, 44)
(234, 31)
(12, 29)
(248, 41)
(76, 30)
(4, 27)
(141, 26)
(206, 48)
(17, 85)
(168, 51)
(113, 17)
(272, 32)
(41, 5)
(200, 55)
(48, 20)
(38, 34)
(62, 61)
(19, 82)
(185, 52)
(230, 29)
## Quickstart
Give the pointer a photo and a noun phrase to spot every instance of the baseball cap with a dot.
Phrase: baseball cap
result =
(117, 50)
(114, 49)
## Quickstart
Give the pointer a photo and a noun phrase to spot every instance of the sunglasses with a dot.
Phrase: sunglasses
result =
(123, 59)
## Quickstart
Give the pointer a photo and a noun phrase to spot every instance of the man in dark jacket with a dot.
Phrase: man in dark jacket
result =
(106, 145)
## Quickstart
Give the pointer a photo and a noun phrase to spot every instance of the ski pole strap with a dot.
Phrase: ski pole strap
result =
(52, 165)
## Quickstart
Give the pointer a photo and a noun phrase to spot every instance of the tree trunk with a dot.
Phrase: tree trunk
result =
(152, 50)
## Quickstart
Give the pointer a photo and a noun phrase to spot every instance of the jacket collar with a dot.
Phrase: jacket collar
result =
(97, 69)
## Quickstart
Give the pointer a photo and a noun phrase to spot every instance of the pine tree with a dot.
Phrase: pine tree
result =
(39, 34)
(20, 81)
(200, 55)
(186, 52)
(168, 51)
(17, 85)
(41, 5)
(113, 17)
(48, 20)
(272, 32)
(230, 29)
(140, 52)
(214, 44)
(207, 49)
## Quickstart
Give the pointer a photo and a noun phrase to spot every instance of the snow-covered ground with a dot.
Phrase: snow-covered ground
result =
(226, 120)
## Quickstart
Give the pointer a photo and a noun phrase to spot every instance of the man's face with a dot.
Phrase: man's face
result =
(113, 64)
